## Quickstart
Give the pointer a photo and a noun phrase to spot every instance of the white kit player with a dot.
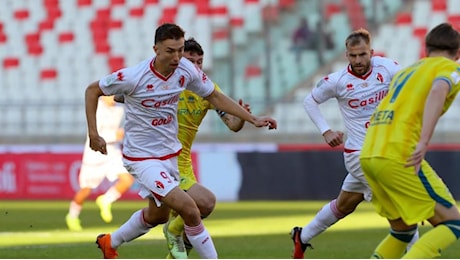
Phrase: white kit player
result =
(358, 88)
(96, 167)
(151, 93)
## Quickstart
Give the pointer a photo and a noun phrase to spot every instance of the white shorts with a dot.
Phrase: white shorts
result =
(155, 177)
(355, 180)
(93, 171)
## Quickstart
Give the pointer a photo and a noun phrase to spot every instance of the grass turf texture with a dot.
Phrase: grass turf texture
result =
(260, 229)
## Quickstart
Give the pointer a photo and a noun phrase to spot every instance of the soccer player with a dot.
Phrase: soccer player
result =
(192, 110)
(358, 88)
(151, 92)
(95, 166)
(406, 189)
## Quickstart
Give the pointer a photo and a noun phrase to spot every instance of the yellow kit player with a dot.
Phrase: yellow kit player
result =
(406, 190)
(191, 111)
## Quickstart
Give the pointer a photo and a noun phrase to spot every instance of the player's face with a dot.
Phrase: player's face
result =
(359, 56)
(194, 58)
(169, 53)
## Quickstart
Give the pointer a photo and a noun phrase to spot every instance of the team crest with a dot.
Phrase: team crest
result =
(182, 81)
(380, 77)
(350, 87)
(159, 185)
(204, 78)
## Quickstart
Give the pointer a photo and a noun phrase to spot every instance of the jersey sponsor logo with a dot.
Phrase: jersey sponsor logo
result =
(188, 112)
(382, 117)
(349, 87)
(191, 99)
(204, 78)
(159, 103)
(159, 185)
(357, 103)
(162, 121)
(380, 77)
(149, 88)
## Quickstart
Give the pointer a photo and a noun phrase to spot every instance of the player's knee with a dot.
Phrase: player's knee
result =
(190, 215)
(346, 208)
(404, 235)
(155, 218)
(208, 205)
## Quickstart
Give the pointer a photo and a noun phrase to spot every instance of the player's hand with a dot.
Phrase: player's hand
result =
(265, 121)
(333, 138)
(98, 144)
(417, 157)
(247, 107)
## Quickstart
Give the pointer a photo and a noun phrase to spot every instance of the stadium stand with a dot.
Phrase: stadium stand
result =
(51, 49)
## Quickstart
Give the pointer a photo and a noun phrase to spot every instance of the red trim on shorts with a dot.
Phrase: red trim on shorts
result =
(345, 150)
(161, 158)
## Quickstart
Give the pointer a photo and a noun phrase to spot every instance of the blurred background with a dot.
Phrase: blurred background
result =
(50, 50)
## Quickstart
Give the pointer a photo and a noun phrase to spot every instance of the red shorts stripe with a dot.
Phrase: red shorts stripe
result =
(161, 158)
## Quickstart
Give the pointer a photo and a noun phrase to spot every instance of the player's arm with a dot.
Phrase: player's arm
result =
(234, 123)
(224, 103)
(92, 94)
(433, 109)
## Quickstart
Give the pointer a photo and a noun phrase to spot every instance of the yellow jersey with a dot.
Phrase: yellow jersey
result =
(190, 113)
(396, 124)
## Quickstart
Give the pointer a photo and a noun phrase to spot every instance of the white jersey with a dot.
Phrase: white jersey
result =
(151, 105)
(109, 120)
(357, 96)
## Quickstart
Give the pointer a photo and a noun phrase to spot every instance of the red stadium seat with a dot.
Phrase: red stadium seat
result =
(438, 5)
(10, 62)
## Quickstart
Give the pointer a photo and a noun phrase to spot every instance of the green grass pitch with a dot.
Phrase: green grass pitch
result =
(256, 229)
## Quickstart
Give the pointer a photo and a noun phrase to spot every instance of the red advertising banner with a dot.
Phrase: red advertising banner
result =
(44, 174)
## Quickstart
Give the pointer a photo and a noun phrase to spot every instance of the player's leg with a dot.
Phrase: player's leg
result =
(89, 178)
(197, 234)
(155, 183)
(354, 190)
(446, 219)
(399, 196)
(104, 201)
(137, 225)
(205, 200)
(73, 216)
(173, 230)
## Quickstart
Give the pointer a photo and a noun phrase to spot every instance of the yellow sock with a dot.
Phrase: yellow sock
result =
(176, 225)
(432, 243)
(390, 247)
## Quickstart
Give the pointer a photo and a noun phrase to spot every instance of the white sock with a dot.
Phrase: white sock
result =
(111, 195)
(325, 218)
(74, 209)
(131, 229)
(414, 239)
(201, 241)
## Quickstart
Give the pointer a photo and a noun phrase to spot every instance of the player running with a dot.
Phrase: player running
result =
(96, 166)
(406, 189)
(358, 88)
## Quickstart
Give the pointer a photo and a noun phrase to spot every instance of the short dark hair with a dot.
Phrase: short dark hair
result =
(443, 37)
(168, 31)
(192, 46)
(356, 36)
